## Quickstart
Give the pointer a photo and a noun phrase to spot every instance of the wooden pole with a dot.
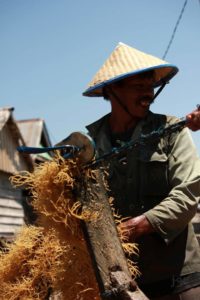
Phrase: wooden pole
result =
(108, 258)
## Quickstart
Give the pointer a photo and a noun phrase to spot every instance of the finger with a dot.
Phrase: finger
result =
(127, 226)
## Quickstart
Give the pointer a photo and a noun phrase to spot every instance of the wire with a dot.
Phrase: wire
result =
(175, 29)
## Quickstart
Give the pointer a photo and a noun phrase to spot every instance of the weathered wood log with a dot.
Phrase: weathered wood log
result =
(108, 258)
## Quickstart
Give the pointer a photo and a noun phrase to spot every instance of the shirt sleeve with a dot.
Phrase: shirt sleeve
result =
(171, 216)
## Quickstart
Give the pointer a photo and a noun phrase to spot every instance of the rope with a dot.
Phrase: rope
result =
(175, 29)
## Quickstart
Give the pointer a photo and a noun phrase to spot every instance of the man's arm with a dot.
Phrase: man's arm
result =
(171, 216)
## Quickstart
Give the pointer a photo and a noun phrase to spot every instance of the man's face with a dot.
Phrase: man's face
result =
(136, 93)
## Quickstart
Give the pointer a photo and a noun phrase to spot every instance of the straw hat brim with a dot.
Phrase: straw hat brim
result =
(163, 73)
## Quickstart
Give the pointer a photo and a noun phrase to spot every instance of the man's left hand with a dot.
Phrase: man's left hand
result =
(136, 227)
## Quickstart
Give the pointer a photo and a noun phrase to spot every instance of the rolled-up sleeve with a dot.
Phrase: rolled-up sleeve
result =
(171, 216)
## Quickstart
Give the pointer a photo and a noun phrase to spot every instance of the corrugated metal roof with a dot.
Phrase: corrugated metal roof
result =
(33, 131)
(35, 134)
(10, 138)
(4, 116)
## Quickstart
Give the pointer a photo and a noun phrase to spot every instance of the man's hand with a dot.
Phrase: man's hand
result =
(193, 120)
(136, 227)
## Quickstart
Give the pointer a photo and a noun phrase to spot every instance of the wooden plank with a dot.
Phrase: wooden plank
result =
(10, 193)
(6, 211)
(11, 220)
(104, 245)
(12, 203)
(8, 229)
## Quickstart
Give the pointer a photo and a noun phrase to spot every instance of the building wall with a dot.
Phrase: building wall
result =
(11, 207)
(11, 199)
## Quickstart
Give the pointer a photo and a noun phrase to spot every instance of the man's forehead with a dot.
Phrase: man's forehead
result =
(136, 79)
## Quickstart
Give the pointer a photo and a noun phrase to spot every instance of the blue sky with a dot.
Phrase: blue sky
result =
(51, 49)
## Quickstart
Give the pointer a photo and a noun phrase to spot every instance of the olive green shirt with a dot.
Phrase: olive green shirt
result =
(162, 181)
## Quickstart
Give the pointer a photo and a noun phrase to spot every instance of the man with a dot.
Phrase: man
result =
(193, 120)
(156, 186)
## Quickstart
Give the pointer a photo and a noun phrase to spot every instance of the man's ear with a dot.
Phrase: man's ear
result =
(106, 93)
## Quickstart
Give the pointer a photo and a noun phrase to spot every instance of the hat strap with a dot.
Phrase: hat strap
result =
(120, 102)
(160, 90)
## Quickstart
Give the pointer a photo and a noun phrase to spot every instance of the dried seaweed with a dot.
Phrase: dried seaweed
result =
(52, 255)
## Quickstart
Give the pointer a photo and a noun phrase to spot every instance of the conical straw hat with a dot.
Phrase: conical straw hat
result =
(124, 62)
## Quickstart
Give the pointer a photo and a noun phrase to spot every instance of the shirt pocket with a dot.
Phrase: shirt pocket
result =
(154, 174)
